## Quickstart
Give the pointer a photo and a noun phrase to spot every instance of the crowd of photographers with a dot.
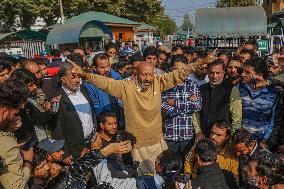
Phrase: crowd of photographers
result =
(149, 119)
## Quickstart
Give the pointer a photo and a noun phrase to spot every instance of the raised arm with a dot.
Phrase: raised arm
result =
(172, 79)
(176, 77)
(109, 85)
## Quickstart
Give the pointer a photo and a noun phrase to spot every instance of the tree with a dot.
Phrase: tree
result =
(235, 3)
(49, 10)
(187, 24)
(144, 10)
(166, 26)
(26, 11)
(8, 14)
(17, 13)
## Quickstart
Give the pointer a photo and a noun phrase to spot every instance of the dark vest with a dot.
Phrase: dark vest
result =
(215, 105)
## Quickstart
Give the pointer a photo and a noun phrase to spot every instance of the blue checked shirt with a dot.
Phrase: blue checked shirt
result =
(178, 118)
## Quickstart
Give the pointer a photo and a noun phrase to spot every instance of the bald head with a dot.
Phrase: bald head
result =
(145, 75)
(144, 65)
(32, 67)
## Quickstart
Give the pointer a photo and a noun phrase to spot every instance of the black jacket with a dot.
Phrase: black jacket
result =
(215, 105)
(30, 117)
(68, 125)
(276, 138)
(210, 177)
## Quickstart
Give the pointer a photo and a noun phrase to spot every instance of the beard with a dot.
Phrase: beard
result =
(33, 94)
(146, 84)
(234, 76)
(106, 74)
(253, 181)
(5, 125)
(11, 125)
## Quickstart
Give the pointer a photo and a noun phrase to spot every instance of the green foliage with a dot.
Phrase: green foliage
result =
(26, 11)
(187, 24)
(235, 3)
(49, 10)
(8, 12)
(165, 25)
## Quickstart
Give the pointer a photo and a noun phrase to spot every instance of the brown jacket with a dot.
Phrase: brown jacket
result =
(142, 110)
(224, 159)
(15, 175)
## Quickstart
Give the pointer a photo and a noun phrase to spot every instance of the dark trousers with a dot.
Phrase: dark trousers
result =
(180, 147)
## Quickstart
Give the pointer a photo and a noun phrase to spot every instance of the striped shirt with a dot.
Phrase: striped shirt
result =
(258, 110)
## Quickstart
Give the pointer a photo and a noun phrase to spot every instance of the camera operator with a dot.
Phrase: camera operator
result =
(16, 173)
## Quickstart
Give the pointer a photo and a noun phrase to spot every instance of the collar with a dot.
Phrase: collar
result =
(256, 145)
(216, 86)
(257, 93)
(138, 86)
(208, 168)
(68, 92)
(225, 151)
(39, 181)
(222, 150)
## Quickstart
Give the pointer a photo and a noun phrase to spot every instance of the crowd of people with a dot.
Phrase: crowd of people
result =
(155, 118)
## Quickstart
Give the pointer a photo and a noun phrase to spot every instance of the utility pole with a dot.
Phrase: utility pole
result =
(61, 12)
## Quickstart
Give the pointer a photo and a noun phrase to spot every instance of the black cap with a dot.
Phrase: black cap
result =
(51, 145)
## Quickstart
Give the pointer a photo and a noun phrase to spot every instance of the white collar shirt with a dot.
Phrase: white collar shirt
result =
(83, 109)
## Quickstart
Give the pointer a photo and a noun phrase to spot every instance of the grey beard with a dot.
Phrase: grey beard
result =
(253, 181)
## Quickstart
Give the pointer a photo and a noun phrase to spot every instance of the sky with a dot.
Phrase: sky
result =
(177, 8)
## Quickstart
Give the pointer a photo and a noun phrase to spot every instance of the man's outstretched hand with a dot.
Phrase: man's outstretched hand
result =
(210, 58)
(77, 69)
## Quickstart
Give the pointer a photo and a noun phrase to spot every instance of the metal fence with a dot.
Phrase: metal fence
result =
(30, 48)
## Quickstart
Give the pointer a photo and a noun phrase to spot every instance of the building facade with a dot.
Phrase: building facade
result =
(272, 6)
